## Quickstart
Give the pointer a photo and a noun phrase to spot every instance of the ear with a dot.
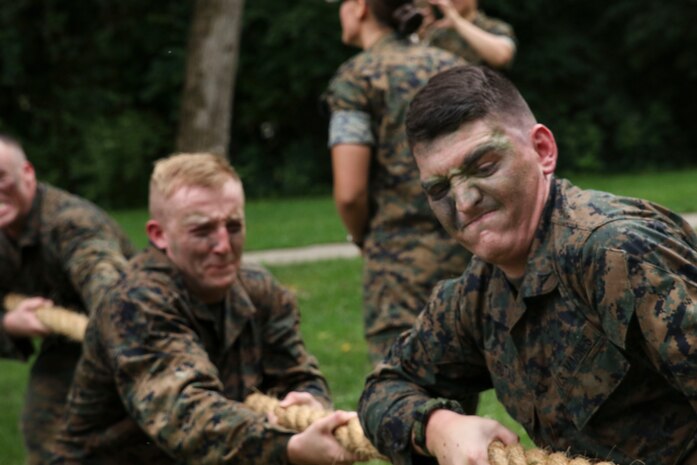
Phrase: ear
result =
(156, 234)
(544, 144)
(29, 178)
(362, 9)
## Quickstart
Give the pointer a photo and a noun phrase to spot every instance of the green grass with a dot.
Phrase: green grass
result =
(329, 296)
(329, 292)
(271, 224)
(12, 384)
(676, 190)
(295, 222)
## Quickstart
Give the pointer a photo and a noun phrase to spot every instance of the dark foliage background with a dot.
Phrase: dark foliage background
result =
(92, 87)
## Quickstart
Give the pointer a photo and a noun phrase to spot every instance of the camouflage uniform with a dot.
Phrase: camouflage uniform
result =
(163, 374)
(448, 38)
(406, 251)
(71, 252)
(595, 353)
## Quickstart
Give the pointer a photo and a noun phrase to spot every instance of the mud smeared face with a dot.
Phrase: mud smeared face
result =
(17, 189)
(487, 186)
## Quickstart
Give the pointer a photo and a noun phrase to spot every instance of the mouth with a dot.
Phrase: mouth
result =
(476, 219)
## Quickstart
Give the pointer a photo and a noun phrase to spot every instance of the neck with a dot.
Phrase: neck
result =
(515, 271)
(372, 33)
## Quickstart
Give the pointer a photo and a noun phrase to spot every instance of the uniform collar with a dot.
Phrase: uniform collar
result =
(385, 41)
(539, 277)
(237, 306)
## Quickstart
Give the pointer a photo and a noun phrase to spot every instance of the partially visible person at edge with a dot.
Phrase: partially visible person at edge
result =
(466, 31)
(376, 183)
(187, 336)
(579, 307)
(59, 249)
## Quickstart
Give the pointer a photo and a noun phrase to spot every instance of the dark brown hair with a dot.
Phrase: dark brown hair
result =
(401, 15)
(461, 95)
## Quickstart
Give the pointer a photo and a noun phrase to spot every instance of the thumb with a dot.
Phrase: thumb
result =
(507, 436)
(336, 419)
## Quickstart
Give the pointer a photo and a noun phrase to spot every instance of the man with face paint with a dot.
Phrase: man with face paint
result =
(187, 336)
(58, 249)
(579, 307)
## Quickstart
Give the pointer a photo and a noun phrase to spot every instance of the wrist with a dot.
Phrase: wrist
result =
(357, 241)
(423, 415)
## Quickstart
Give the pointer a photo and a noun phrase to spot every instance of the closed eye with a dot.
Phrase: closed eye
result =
(437, 191)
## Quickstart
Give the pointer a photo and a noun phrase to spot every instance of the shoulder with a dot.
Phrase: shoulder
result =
(70, 217)
(260, 284)
(595, 221)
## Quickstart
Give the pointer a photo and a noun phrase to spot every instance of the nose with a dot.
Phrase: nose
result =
(220, 241)
(466, 195)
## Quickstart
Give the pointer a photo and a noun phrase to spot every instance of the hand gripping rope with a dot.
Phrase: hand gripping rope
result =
(352, 438)
(58, 319)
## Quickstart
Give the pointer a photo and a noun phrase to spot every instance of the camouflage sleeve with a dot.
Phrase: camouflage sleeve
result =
(91, 253)
(350, 127)
(288, 366)
(645, 272)
(171, 389)
(436, 359)
(348, 100)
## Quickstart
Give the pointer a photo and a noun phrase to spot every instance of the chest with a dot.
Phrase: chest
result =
(36, 269)
(552, 368)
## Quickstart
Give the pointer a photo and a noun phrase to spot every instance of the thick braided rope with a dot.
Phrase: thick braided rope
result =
(514, 454)
(58, 319)
(300, 417)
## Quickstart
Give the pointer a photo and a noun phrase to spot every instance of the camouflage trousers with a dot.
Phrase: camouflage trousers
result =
(45, 401)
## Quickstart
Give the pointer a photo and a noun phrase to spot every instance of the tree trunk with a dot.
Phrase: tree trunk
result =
(211, 65)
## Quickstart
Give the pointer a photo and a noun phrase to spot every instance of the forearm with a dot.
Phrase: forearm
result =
(96, 266)
(355, 215)
(386, 411)
(351, 172)
(497, 51)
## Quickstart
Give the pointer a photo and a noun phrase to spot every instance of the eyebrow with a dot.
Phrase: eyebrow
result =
(471, 159)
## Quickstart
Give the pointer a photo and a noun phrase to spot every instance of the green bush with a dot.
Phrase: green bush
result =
(93, 87)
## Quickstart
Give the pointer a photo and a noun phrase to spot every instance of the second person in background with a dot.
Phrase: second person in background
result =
(376, 183)
(468, 33)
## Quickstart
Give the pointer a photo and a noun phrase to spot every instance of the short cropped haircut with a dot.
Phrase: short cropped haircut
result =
(188, 169)
(462, 95)
(14, 144)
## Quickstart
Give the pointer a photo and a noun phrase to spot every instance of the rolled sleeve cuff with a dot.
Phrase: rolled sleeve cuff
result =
(350, 127)
(424, 411)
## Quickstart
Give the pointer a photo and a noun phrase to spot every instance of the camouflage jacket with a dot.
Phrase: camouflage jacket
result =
(71, 252)
(163, 374)
(406, 250)
(595, 353)
(448, 38)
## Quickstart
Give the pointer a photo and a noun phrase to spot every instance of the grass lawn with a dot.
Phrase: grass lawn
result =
(271, 224)
(280, 223)
(329, 292)
(329, 297)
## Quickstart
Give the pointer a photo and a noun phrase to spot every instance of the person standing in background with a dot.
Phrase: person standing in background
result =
(468, 33)
(376, 182)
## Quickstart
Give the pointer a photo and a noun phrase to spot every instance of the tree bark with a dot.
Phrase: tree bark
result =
(211, 64)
